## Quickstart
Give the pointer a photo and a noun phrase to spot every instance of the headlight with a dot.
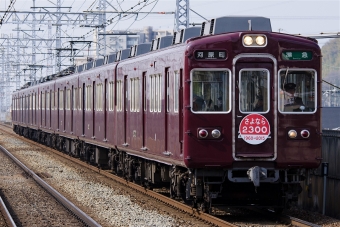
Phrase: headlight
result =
(254, 40)
(260, 40)
(216, 133)
(292, 134)
(248, 40)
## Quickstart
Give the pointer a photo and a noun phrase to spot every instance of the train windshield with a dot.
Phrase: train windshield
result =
(297, 91)
(254, 92)
(210, 91)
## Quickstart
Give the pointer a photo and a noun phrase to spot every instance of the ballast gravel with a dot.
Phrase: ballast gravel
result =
(108, 206)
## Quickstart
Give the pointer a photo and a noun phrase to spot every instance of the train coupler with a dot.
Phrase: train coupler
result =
(256, 174)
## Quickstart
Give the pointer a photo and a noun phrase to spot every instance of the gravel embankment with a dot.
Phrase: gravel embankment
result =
(101, 198)
(29, 204)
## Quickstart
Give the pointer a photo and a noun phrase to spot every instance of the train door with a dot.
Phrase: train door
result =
(83, 108)
(73, 93)
(50, 108)
(43, 108)
(144, 109)
(29, 110)
(105, 108)
(57, 108)
(64, 109)
(93, 111)
(179, 107)
(34, 109)
(41, 111)
(167, 110)
(125, 106)
(254, 108)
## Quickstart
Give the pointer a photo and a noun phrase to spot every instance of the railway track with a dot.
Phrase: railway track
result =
(205, 218)
(6, 219)
(39, 201)
(282, 218)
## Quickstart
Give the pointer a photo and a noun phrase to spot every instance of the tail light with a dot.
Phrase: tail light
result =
(305, 134)
(203, 133)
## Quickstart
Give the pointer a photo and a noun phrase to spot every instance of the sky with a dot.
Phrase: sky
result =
(304, 17)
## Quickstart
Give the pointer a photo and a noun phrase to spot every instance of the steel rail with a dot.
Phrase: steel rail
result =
(301, 223)
(5, 213)
(285, 218)
(60, 198)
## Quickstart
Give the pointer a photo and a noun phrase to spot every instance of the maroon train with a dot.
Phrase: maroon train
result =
(227, 114)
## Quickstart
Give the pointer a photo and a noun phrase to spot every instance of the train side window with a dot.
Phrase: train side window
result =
(39, 101)
(134, 94)
(75, 98)
(155, 93)
(254, 92)
(48, 101)
(137, 95)
(34, 101)
(29, 99)
(43, 101)
(68, 99)
(176, 91)
(111, 96)
(88, 98)
(52, 100)
(210, 91)
(152, 92)
(99, 97)
(297, 91)
(159, 93)
(80, 98)
(61, 99)
(120, 96)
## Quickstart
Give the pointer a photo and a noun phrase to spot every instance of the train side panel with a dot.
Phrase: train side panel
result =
(111, 124)
(100, 118)
(131, 81)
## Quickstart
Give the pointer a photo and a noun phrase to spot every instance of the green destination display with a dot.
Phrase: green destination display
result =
(296, 55)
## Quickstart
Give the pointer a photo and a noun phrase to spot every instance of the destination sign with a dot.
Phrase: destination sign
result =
(297, 55)
(210, 54)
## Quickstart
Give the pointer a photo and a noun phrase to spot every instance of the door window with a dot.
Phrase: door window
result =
(254, 92)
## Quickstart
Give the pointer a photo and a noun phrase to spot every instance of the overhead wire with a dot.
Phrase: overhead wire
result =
(140, 19)
(84, 36)
(117, 17)
(10, 6)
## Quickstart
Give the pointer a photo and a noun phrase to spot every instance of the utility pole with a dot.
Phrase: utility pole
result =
(182, 14)
(101, 29)
(29, 38)
(33, 62)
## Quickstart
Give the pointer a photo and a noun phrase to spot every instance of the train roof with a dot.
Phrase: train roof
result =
(234, 24)
(214, 26)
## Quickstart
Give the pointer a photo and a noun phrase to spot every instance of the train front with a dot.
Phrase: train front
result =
(251, 117)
